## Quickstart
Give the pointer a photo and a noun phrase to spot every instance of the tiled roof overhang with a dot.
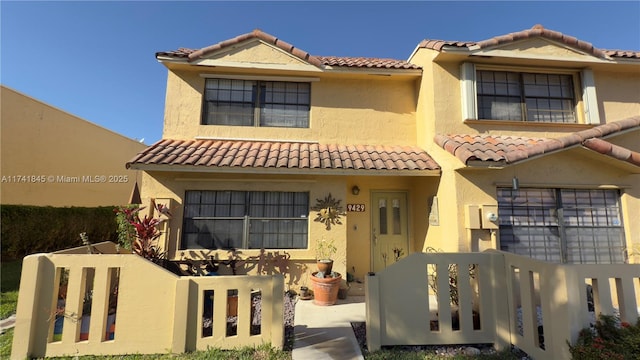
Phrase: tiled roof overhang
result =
(191, 55)
(536, 31)
(480, 150)
(215, 155)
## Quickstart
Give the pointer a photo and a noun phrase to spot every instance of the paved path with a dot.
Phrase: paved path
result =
(324, 332)
(8, 323)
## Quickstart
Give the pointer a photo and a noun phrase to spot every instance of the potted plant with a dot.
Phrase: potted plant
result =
(324, 255)
(325, 287)
(326, 282)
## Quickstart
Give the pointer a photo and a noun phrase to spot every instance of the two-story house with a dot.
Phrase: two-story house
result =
(526, 142)
(537, 134)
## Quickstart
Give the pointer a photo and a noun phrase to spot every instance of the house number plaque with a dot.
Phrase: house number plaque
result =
(355, 207)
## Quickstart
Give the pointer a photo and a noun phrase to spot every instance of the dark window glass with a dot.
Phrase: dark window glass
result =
(504, 95)
(256, 103)
(562, 225)
(245, 219)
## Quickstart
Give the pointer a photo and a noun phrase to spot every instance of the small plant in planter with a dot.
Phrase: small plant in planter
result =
(326, 282)
(325, 249)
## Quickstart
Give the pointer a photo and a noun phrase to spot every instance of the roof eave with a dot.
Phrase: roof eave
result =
(497, 165)
(279, 170)
(373, 71)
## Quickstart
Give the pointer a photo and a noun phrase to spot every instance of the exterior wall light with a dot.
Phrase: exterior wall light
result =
(515, 183)
(355, 190)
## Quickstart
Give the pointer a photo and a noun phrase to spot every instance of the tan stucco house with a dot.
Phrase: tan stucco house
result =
(527, 142)
(53, 158)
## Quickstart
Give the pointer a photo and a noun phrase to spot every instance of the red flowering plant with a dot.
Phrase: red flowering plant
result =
(146, 230)
(609, 338)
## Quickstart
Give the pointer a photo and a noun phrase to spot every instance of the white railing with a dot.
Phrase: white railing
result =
(501, 299)
(156, 310)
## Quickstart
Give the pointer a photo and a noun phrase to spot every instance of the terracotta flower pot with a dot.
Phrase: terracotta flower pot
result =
(325, 266)
(325, 290)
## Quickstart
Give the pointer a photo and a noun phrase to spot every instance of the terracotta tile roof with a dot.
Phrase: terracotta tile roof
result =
(613, 150)
(283, 155)
(623, 53)
(536, 31)
(511, 149)
(366, 62)
(192, 55)
(319, 61)
(439, 44)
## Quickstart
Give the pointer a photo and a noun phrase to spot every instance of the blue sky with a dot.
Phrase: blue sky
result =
(96, 60)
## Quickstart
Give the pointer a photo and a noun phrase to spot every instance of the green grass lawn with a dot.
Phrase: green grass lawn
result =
(262, 352)
(9, 285)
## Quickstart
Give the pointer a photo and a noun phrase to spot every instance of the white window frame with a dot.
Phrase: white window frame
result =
(469, 96)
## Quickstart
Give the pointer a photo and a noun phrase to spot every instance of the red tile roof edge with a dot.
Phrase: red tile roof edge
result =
(283, 155)
(261, 35)
(536, 147)
(334, 61)
(618, 152)
(536, 31)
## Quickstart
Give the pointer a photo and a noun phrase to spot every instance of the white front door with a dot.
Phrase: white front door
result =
(390, 230)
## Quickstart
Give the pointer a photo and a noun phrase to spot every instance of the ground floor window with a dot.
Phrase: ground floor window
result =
(215, 219)
(562, 225)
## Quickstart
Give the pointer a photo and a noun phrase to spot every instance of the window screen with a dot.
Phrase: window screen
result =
(504, 95)
(256, 103)
(562, 225)
(245, 219)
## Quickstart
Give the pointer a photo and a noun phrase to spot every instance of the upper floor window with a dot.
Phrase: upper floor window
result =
(537, 97)
(256, 103)
(215, 219)
(504, 95)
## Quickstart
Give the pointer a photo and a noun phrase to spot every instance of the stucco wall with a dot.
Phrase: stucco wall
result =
(364, 109)
(172, 186)
(563, 170)
(352, 238)
(343, 110)
(617, 87)
(618, 94)
(439, 112)
(52, 158)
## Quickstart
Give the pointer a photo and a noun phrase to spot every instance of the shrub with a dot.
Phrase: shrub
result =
(126, 230)
(36, 229)
(608, 339)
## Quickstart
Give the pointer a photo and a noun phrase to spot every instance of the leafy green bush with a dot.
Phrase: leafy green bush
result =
(126, 231)
(609, 339)
(36, 229)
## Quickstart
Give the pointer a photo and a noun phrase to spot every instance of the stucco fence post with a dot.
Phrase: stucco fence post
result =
(32, 318)
(372, 303)
(496, 275)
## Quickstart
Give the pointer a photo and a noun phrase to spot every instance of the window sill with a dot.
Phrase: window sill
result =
(529, 124)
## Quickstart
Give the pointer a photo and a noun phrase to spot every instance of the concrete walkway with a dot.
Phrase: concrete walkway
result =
(8, 323)
(324, 332)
